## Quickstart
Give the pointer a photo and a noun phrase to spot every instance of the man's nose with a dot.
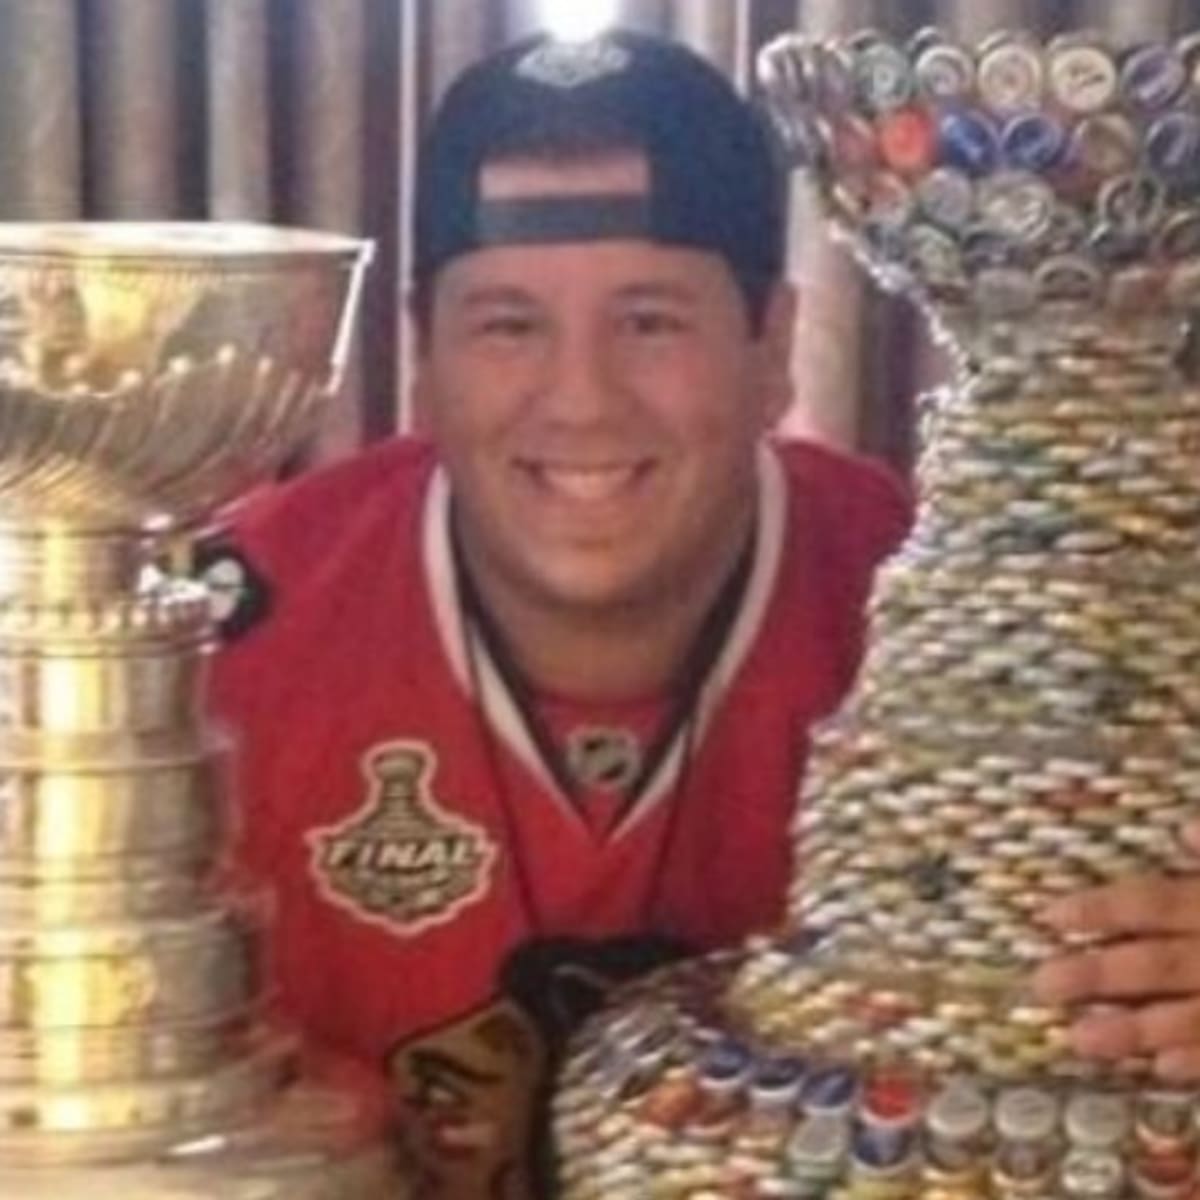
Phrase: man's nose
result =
(583, 381)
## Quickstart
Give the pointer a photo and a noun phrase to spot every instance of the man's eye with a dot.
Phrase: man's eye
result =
(505, 328)
(654, 323)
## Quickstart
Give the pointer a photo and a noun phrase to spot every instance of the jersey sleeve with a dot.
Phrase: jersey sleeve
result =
(272, 560)
(857, 513)
(240, 679)
(875, 517)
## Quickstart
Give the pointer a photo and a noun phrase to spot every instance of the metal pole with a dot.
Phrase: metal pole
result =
(973, 20)
(1125, 21)
(409, 117)
(826, 360)
(712, 29)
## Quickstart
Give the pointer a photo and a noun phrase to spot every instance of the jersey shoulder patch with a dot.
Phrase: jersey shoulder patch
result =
(238, 591)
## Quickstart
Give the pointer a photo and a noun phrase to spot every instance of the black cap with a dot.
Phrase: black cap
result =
(715, 183)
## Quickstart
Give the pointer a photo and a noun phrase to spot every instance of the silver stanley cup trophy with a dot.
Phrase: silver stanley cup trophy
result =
(147, 373)
(1027, 719)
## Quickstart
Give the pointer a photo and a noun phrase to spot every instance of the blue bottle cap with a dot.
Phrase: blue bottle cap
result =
(1034, 142)
(880, 1150)
(1153, 76)
(726, 1062)
(829, 1090)
(968, 140)
(1172, 146)
(779, 1073)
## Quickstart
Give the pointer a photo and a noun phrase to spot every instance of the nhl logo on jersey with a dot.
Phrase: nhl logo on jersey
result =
(402, 861)
(607, 759)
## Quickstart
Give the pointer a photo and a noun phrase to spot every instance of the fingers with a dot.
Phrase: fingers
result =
(1149, 964)
(1167, 1032)
(1191, 836)
(1143, 904)
(1142, 967)
(1178, 1066)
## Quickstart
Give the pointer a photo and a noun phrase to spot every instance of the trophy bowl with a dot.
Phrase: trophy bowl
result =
(1017, 189)
(149, 372)
(1024, 723)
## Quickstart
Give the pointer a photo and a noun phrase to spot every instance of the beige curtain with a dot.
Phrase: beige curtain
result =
(307, 112)
(273, 110)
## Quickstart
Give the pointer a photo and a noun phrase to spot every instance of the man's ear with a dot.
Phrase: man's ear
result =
(776, 339)
(420, 398)
(420, 389)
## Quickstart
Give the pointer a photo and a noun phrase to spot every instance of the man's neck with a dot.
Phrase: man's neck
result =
(627, 652)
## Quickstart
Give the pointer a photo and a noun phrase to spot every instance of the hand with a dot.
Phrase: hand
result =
(1153, 970)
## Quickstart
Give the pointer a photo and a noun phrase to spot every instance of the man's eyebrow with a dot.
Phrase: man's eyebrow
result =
(481, 295)
(658, 289)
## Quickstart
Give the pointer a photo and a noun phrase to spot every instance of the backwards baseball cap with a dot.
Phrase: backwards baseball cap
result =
(715, 183)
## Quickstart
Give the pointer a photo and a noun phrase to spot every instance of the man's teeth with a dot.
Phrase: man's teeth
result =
(588, 483)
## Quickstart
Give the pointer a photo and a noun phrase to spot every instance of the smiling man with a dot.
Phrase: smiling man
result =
(533, 690)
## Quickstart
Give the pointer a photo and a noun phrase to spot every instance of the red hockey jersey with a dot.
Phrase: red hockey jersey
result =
(392, 794)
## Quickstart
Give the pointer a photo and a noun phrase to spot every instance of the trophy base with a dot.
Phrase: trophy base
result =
(367, 1175)
(317, 1144)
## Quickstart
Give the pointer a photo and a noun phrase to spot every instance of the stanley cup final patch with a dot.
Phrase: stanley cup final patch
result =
(402, 860)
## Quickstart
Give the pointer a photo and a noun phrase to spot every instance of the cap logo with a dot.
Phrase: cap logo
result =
(568, 65)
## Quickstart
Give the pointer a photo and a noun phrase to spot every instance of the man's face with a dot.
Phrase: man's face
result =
(598, 403)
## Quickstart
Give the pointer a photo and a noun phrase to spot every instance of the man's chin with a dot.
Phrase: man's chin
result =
(596, 593)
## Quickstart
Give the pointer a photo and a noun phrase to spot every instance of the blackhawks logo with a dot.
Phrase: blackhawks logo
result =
(402, 860)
